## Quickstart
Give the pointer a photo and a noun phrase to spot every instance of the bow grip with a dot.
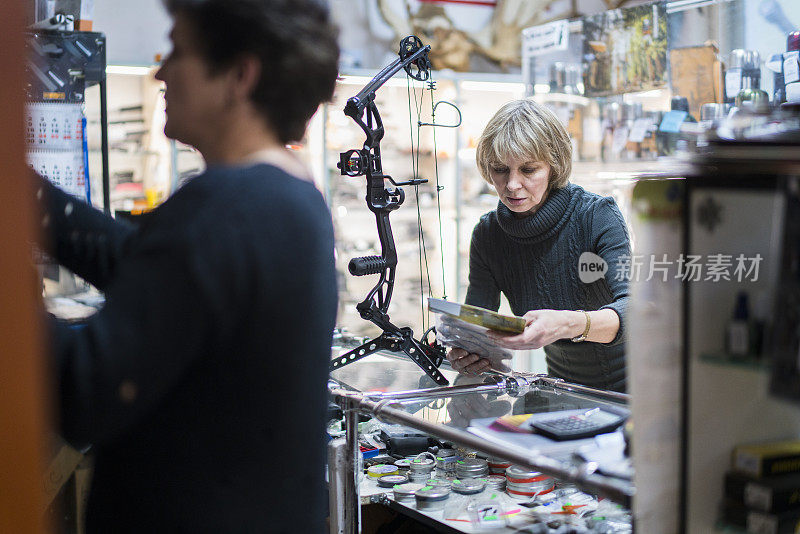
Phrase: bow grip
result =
(366, 265)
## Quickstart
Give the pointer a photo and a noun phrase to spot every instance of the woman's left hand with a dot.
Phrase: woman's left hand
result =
(542, 328)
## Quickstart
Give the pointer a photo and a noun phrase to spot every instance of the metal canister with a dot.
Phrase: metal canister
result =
(403, 464)
(405, 492)
(438, 483)
(472, 468)
(379, 470)
(523, 482)
(468, 486)
(498, 466)
(496, 482)
(446, 460)
(431, 498)
(420, 469)
(390, 481)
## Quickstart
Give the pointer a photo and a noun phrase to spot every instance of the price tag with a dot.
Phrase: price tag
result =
(672, 121)
(791, 67)
(640, 129)
(733, 82)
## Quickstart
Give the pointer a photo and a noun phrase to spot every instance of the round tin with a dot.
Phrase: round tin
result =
(472, 468)
(446, 459)
(498, 466)
(403, 463)
(468, 486)
(390, 481)
(405, 492)
(527, 483)
(420, 469)
(379, 470)
(496, 482)
(431, 498)
(421, 464)
(438, 483)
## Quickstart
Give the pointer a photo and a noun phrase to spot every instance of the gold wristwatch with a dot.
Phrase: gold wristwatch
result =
(582, 337)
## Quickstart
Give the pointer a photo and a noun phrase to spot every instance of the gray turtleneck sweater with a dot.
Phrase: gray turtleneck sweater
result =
(533, 261)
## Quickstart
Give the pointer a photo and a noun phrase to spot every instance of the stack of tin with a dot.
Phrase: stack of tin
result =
(472, 468)
(446, 461)
(525, 483)
(496, 482)
(421, 469)
(498, 466)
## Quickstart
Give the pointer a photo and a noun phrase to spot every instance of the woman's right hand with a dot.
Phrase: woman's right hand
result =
(468, 363)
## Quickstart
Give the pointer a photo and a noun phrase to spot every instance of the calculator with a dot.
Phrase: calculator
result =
(577, 426)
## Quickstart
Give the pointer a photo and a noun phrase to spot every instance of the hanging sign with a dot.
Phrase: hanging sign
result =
(546, 38)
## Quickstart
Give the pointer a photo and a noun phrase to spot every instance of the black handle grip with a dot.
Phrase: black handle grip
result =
(366, 265)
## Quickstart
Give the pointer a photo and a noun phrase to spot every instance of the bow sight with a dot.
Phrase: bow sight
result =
(413, 58)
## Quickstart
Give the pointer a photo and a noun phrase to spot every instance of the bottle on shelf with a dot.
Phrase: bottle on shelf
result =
(751, 95)
(740, 60)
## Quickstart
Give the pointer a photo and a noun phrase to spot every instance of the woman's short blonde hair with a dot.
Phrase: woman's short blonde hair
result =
(523, 129)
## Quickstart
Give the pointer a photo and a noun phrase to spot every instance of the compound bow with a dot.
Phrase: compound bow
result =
(413, 57)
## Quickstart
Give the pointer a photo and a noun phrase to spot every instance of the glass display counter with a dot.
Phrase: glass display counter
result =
(593, 472)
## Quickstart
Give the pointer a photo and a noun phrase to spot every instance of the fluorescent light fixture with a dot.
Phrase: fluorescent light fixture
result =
(397, 81)
(125, 69)
(561, 97)
(503, 87)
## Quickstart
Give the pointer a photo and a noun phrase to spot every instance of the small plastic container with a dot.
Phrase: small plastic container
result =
(431, 498)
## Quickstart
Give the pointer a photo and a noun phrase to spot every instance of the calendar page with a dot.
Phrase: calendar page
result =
(56, 148)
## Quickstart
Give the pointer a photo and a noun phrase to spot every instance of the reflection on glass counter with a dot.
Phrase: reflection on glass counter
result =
(553, 478)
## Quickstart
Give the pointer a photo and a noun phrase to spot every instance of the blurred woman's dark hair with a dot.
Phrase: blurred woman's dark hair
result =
(294, 40)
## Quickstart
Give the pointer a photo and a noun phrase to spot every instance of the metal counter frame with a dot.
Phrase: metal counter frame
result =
(345, 504)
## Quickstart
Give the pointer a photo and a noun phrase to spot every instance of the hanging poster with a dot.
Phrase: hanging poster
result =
(625, 50)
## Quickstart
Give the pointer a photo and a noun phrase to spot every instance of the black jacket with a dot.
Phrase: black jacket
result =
(201, 382)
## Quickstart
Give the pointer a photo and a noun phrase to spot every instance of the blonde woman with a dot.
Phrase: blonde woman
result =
(529, 249)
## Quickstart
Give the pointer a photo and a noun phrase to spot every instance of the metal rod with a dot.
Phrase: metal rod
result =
(577, 388)
(351, 497)
(439, 392)
(104, 144)
(338, 471)
(615, 490)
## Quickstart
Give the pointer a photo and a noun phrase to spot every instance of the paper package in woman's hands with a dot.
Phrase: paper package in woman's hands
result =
(453, 332)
